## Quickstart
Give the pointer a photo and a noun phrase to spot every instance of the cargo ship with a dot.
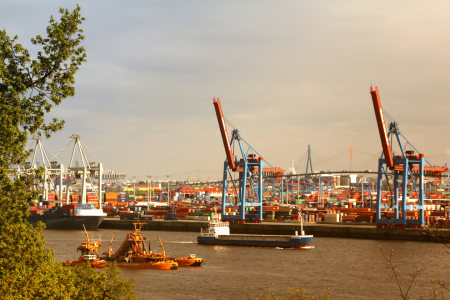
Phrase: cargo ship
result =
(69, 216)
(218, 233)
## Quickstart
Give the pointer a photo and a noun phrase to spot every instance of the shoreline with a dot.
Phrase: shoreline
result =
(356, 231)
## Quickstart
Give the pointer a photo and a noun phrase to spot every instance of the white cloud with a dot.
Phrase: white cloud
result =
(288, 74)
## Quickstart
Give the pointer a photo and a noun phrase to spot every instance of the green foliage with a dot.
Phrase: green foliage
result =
(28, 90)
(106, 285)
(292, 293)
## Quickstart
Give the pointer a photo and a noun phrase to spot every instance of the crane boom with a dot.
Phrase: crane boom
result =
(87, 235)
(223, 131)
(110, 244)
(163, 251)
(382, 128)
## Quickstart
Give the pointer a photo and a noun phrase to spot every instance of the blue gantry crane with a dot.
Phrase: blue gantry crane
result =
(248, 188)
(407, 165)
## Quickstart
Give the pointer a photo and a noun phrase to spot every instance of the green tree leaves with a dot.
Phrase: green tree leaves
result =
(107, 285)
(28, 90)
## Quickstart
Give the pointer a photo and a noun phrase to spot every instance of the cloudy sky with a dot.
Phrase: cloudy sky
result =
(288, 74)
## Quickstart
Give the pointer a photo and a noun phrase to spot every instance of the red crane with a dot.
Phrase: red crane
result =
(224, 132)
(382, 128)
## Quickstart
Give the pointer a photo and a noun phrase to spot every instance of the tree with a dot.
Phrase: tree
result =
(28, 90)
(107, 285)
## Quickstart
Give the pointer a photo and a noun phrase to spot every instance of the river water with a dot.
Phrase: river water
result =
(351, 268)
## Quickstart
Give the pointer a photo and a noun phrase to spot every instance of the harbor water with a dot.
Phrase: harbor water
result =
(351, 268)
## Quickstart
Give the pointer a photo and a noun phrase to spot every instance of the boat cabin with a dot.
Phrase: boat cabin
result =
(215, 229)
(89, 257)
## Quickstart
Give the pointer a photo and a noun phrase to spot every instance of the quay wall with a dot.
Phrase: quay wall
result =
(318, 230)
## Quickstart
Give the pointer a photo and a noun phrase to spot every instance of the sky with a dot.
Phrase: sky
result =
(288, 74)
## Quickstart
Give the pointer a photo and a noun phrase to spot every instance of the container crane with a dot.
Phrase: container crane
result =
(408, 165)
(250, 167)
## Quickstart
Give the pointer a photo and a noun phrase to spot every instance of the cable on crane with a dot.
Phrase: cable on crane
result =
(54, 156)
(94, 155)
(391, 119)
(62, 150)
(229, 123)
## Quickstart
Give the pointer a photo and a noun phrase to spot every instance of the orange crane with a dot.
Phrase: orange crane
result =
(382, 127)
(224, 133)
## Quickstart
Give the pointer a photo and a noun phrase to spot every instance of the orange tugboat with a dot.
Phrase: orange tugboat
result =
(89, 253)
(191, 260)
(134, 254)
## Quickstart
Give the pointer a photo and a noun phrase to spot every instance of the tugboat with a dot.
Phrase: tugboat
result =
(134, 254)
(89, 254)
(190, 260)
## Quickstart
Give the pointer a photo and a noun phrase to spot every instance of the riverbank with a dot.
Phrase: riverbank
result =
(357, 231)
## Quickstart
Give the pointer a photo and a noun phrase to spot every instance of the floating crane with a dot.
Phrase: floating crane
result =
(408, 165)
(250, 167)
